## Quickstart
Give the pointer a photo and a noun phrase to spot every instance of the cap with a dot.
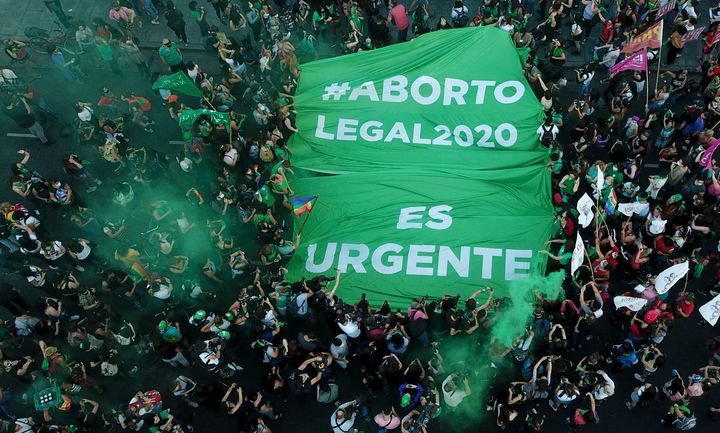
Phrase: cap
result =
(225, 335)
(405, 400)
(229, 316)
(163, 325)
(172, 98)
(200, 315)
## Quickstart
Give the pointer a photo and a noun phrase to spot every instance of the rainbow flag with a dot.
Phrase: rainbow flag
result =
(612, 203)
(301, 205)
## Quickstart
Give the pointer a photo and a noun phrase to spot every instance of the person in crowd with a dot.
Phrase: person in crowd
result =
(120, 258)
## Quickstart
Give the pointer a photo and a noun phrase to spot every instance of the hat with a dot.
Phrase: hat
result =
(225, 335)
(163, 325)
(199, 315)
(229, 315)
(50, 351)
(172, 98)
(405, 400)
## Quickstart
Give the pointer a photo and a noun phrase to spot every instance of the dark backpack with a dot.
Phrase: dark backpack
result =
(293, 308)
(547, 135)
(461, 20)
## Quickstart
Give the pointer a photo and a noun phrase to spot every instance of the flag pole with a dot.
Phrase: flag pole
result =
(210, 104)
(659, 56)
(647, 89)
(592, 272)
(307, 216)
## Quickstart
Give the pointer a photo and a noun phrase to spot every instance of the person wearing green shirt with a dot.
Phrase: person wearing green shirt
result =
(257, 218)
(282, 167)
(198, 14)
(264, 195)
(320, 20)
(270, 256)
(563, 256)
(162, 421)
(170, 55)
(106, 53)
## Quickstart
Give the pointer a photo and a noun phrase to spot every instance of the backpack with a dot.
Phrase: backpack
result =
(416, 327)
(293, 308)
(266, 154)
(461, 20)
(547, 135)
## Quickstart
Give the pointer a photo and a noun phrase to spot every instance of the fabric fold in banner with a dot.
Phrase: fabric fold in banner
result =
(415, 100)
(399, 234)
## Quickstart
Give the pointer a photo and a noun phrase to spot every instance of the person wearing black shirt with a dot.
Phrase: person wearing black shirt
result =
(19, 111)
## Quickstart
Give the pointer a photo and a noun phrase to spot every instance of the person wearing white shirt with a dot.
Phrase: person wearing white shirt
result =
(604, 389)
(349, 327)
(452, 394)
(342, 420)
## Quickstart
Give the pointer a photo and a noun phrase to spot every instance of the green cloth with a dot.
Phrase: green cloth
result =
(444, 100)
(179, 83)
(402, 234)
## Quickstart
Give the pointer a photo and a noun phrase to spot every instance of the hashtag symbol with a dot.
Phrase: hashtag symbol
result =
(336, 90)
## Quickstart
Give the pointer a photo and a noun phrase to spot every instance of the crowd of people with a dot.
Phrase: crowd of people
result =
(144, 290)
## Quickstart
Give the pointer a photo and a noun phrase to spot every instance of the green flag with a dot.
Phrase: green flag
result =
(177, 82)
(401, 234)
(187, 118)
(443, 100)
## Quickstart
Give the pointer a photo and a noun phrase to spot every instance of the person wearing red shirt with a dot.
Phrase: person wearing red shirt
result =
(398, 15)
(608, 32)
(664, 245)
(684, 305)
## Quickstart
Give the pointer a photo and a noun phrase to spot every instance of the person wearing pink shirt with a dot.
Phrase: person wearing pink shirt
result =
(122, 15)
(398, 15)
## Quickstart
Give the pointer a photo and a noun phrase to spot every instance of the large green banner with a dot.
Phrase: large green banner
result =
(400, 234)
(446, 99)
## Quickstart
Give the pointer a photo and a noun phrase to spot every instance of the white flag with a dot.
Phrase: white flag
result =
(667, 278)
(584, 206)
(711, 310)
(632, 304)
(600, 180)
(628, 209)
(578, 254)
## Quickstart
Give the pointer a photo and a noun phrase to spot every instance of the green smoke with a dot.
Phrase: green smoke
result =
(480, 354)
(519, 312)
